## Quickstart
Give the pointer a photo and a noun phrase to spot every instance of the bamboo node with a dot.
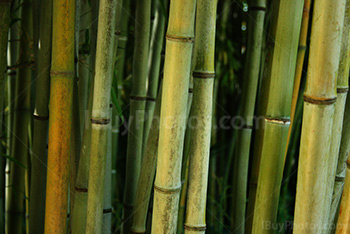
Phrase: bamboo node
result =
(339, 178)
(138, 98)
(276, 120)
(166, 190)
(190, 90)
(319, 101)
(100, 121)
(117, 33)
(82, 190)
(179, 38)
(301, 47)
(195, 228)
(257, 8)
(132, 231)
(108, 210)
(41, 118)
(343, 90)
(150, 99)
(62, 73)
(203, 75)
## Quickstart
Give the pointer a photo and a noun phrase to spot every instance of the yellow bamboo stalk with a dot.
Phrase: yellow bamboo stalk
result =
(60, 122)
(319, 105)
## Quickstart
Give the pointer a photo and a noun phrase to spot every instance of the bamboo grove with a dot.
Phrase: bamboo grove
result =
(174, 116)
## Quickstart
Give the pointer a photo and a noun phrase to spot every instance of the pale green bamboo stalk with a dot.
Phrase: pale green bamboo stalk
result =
(250, 85)
(344, 142)
(147, 173)
(100, 114)
(319, 97)
(154, 61)
(16, 190)
(107, 201)
(78, 217)
(343, 223)
(203, 84)
(277, 117)
(137, 107)
(342, 91)
(5, 13)
(41, 116)
(178, 54)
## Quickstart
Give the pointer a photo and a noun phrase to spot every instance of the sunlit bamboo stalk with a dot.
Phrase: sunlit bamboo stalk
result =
(60, 121)
(319, 97)
(178, 54)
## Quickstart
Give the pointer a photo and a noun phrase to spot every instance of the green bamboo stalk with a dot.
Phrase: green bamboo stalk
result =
(203, 84)
(60, 121)
(277, 117)
(177, 68)
(264, 85)
(16, 190)
(84, 69)
(154, 61)
(251, 78)
(147, 173)
(343, 224)
(319, 106)
(107, 206)
(100, 114)
(342, 92)
(5, 12)
(137, 107)
(78, 218)
(41, 116)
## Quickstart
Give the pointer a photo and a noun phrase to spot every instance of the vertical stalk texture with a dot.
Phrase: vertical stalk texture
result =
(41, 117)
(16, 188)
(202, 105)
(5, 7)
(300, 64)
(343, 224)
(344, 149)
(156, 46)
(319, 102)
(100, 114)
(137, 107)
(60, 121)
(178, 54)
(250, 85)
(147, 173)
(277, 117)
(342, 92)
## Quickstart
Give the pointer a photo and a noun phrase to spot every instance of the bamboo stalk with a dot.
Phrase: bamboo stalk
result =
(137, 108)
(343, 224)
(342, 91)
(319, 105)
(251, 78)
(177, 68)
(41, 116)
(60, 121)
(154, 61)
(300, 64)
(277, 117)
(100, 114)
(343, 142)
(16, 190)
(203, 84)
(147, 173)
(5, 8)
(107, 206)
(264, 85)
